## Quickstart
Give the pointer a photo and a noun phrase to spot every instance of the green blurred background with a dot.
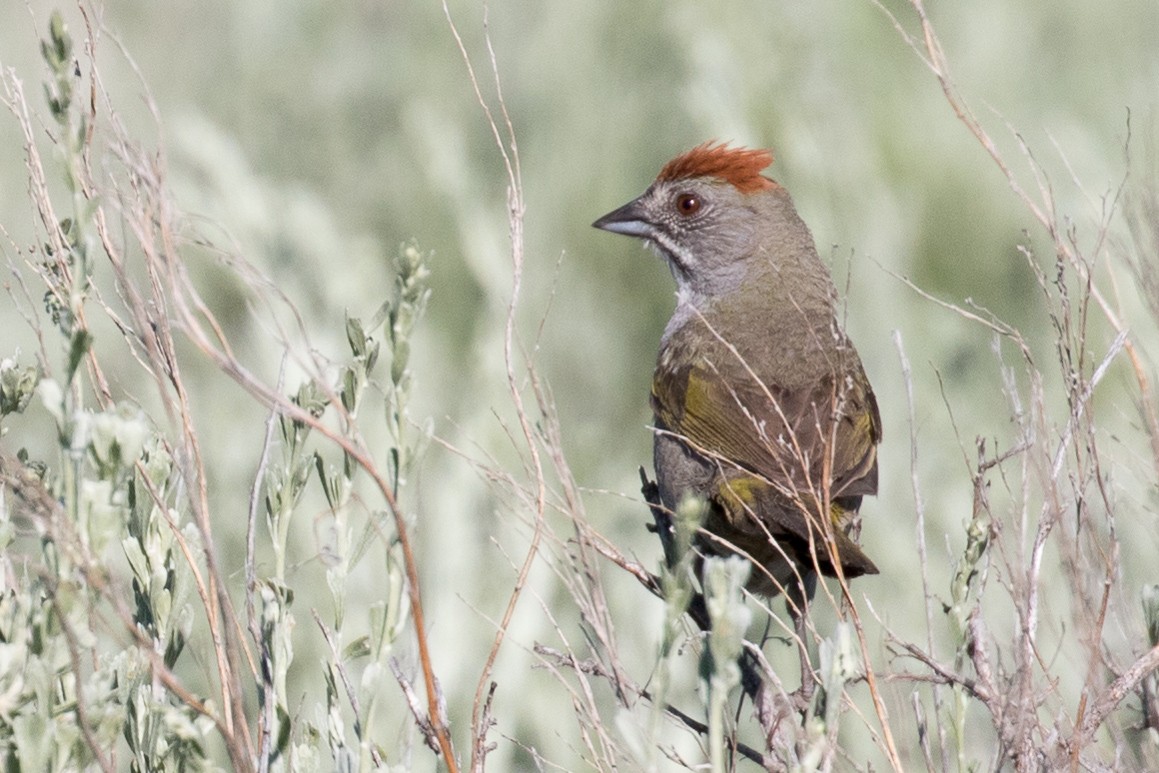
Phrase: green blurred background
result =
(313, 138)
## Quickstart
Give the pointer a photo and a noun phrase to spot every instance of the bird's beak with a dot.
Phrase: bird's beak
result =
(627, 220)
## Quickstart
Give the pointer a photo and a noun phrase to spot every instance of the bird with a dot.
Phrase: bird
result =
(762, 407)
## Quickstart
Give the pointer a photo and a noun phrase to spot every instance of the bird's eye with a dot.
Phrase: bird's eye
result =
(687, 204)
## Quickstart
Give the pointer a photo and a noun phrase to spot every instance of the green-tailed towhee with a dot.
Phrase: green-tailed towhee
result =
(761, 403)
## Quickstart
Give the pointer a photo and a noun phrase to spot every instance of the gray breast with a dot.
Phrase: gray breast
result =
(678, 468)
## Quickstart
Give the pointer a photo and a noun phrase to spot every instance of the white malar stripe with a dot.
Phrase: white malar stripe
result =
(674, 251)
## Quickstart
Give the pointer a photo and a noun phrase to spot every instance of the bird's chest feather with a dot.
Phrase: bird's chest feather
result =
(747, 345)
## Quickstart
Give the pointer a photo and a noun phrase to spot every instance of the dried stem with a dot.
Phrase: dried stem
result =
(505, 143)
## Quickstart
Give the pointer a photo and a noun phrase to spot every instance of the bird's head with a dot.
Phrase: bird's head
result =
(709, 213)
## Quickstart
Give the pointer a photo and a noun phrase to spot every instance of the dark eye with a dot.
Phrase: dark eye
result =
(687, 204)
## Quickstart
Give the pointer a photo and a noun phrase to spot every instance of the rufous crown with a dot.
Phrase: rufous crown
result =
(739, 166)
